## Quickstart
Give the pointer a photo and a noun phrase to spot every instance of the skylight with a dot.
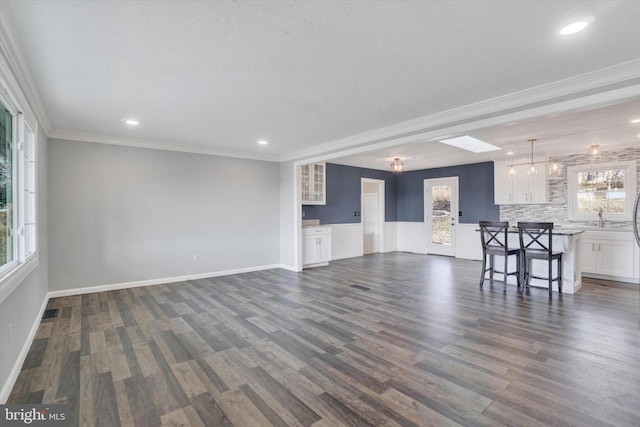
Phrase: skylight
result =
(470, 143)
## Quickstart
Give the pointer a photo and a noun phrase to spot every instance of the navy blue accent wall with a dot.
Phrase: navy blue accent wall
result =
(343, 195)
(475, 186)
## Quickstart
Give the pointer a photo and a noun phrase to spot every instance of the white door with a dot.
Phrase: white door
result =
(370, 223)
(441, 215)
(372, 214)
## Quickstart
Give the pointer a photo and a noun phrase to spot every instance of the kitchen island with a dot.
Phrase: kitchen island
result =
(565, 240)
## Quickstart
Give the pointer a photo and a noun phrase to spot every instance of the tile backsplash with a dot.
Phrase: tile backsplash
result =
(557, 210)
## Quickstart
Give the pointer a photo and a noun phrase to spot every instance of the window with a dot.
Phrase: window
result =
(607, 187)
(17, 195)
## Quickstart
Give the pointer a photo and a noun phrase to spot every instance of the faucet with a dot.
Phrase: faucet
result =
(600, 218)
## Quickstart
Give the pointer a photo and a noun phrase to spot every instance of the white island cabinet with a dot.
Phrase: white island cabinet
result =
(565, 240)
(316, 246)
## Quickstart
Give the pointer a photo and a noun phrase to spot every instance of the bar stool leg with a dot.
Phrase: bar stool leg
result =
(560, 274)
(491, 263)
(484, 267)
(550, 265)
(506, 261)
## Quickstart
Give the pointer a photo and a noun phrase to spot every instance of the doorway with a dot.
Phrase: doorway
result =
(372, 215)
(441, 215)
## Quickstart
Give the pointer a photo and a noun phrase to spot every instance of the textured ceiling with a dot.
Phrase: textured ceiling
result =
(223, 73)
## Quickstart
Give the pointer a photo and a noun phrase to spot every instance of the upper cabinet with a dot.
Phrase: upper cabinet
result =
(313, 180)
(521, 189)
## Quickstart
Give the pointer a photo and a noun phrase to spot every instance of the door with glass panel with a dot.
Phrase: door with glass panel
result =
(441, 215)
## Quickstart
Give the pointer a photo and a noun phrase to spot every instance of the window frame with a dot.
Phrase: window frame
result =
(24, 138)
(630, 185)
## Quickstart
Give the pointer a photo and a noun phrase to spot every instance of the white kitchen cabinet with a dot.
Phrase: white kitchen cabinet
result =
(313, 180)
(522, 188)
(316, 246)
(608, 253)
(588, 255)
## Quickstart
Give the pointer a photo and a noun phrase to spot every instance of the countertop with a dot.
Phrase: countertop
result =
(556, 231)
(560, 231)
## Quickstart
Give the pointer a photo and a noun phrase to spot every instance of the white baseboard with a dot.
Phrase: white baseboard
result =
(17, 366)
(633, 280)
(160, 281)
(288, 267)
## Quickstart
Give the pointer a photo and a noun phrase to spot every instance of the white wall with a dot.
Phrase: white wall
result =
(22, 307)
(411, 237)
(120, 214)
(468, 245)
(287, 246)
(346, 240)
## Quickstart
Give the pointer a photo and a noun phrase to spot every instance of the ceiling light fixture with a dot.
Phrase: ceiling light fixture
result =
(554, 168)
(634, 121)
(397, 166)
(577, 26)
(510, 153)
(263, 142)
(594, 149)
(131, 122)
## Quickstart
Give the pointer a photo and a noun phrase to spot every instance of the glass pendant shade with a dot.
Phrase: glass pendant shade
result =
(397, 166)
(555, 169)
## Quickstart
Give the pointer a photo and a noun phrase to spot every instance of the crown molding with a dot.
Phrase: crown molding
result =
(10, 51)
(602, 80)
(73, 135)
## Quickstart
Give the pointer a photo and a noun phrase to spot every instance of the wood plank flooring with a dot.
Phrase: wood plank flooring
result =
(383, 340)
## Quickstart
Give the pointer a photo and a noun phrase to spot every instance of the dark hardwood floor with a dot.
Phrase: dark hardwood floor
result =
(383, 340)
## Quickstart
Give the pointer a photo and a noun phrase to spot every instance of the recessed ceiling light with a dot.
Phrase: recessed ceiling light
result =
(263, 142)
(510, 153)
(131, 122)
(470, 143)
(635, 121)
(577, 26)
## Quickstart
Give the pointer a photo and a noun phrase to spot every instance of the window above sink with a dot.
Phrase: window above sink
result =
(610, 187)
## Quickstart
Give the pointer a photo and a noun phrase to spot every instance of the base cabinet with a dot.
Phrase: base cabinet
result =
(608, 254)
(316, 246)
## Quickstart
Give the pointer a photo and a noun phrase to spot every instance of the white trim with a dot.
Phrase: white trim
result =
(346, 240)
(14, 63)
(630, 190)
(548, 93)
(297, 216)
(632, 280)
(15, 277)
(17, 366)
(381, 210)
(159, 281)
(455, 205)
(288, 267)
(73, 135)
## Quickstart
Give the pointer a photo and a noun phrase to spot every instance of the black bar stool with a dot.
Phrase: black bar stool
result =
(494, 242)
(539, 246)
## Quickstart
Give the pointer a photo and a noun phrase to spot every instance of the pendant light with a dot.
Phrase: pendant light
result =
(554, 169)
(397, 166)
